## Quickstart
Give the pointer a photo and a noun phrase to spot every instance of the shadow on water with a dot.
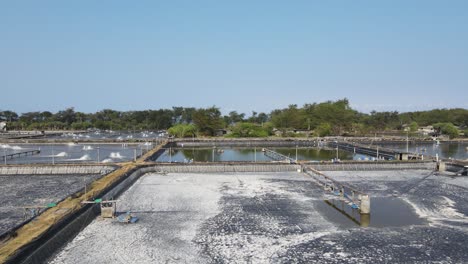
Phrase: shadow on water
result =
(385, 212)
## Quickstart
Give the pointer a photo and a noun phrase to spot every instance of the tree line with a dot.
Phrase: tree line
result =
(321, 119)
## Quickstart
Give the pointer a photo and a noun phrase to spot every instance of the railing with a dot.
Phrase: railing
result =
(277, 156)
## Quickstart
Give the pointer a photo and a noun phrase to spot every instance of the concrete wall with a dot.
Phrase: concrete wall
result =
(375, 166)
(55, 169)
(219, 168)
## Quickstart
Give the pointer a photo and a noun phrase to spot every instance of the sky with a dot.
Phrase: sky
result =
(238, 55)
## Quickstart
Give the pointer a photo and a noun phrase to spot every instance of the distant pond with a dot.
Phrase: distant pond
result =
(251, 154)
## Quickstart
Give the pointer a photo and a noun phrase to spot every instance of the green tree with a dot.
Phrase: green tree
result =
(447, 129)
(67, 116)
(384, 120)
(208, 120)
(235, 117)
(249, 130)
(324, 129)
(9, 116)
(413, 126)
(183, 130)
(291, 117)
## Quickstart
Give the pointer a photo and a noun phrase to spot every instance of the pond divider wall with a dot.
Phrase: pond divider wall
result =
(376, 166)
(221, 168)
(56, 169)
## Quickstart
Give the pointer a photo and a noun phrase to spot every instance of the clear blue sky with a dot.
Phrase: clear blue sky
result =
(242, 55)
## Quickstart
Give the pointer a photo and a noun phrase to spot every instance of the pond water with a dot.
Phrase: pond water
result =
(443, 149)
(73, 153)
(250, 154)
(385, 212)
(112, 135)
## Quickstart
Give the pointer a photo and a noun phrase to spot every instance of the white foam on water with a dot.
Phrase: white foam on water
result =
(116, 155)
(445, 211)
(107, 161)
(85, 157)
(87, 148)
(6, 146)
(62, 154)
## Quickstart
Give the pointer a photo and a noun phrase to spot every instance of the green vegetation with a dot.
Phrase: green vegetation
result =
(318, 119)
(413, 126)
(324, 130)
(183, 130)
(447, 129)
(250, 130)
(208, 121)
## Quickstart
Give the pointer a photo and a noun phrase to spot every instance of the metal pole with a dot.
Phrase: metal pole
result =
(5, 154)
(170, 154)
(84, 181)
(98, 158)
(377, 152)
(406, 141)
(296, 153)
(255, 154)
(53, 156)
(134, 154)
(212, 154)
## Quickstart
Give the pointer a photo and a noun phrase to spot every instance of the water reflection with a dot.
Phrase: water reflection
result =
(362, 220)
(443, 150)
(314, 154)
(248, 154)
(385, 212)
